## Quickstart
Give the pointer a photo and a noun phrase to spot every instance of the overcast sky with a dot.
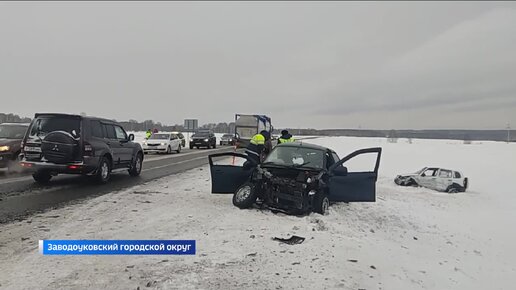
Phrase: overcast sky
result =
(421, 65)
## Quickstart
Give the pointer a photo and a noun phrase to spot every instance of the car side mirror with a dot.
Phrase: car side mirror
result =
(131, 137)
(340, 171)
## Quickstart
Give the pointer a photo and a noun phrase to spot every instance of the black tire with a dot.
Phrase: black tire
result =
(321, 203)
(191, 147)
(220, 143)
(214, 145)
(197, 147)
(209, 146)
(245, 195)
(179, 148)
(169, 150)
(42, 177)
(136, 166)
(102, 175)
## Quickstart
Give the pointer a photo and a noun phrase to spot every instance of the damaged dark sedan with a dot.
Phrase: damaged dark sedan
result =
(296, 178)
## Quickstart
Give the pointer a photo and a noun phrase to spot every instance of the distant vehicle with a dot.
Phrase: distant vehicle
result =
(11, 135)
(72, 144)
(227, 139)
(435, 178)
(203, 139)
(181, 138)
(246, 126)
(162, 143)
(296, 178)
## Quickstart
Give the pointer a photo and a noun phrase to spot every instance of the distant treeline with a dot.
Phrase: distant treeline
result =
(12, 118)
(467, 135)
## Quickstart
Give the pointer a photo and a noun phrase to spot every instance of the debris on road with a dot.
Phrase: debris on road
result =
(291, 241)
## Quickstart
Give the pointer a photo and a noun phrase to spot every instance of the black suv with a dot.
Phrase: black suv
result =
(73, 144)
(203, 139)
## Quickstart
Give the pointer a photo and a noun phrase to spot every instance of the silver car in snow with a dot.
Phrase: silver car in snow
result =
(435, 178)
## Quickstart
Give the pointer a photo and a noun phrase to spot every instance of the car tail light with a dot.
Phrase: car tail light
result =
(88, 149)
(74, 167)
(24, 164)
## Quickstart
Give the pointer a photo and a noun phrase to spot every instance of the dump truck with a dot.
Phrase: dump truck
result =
(246, 126)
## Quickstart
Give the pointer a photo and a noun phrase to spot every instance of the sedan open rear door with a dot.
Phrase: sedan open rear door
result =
(354, 186)
(229, 173)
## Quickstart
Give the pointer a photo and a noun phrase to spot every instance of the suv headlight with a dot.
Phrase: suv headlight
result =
(4, 148)
(205, 140)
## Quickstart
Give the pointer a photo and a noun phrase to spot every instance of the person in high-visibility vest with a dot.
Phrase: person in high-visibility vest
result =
(258, 146)
(148, 134)
(285, 137)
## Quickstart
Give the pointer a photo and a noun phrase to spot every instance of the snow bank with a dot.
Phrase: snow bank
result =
(411, 238)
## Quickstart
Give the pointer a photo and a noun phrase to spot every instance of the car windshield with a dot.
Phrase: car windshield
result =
(12, 131)
(296, 157)
(201, 134)
(160, 136)
(227, 136)
(45, 125)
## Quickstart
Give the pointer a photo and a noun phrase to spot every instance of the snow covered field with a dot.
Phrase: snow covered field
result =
(411, 238)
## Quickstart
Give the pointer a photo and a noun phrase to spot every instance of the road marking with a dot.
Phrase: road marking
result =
(177, 155)
(175, 163)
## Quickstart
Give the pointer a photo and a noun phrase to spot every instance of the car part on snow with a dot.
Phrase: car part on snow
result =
(294, 240)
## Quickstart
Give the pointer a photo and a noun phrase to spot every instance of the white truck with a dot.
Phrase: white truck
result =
(246, 126)
(435, 178)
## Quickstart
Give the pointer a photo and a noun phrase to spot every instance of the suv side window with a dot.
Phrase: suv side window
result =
(96, 129)
(445, 173)
(457, 175)
(120, 133)
(109, 131)
(180, 136)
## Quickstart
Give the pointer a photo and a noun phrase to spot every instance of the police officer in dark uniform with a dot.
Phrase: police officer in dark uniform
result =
(285, 137)
(259, 147)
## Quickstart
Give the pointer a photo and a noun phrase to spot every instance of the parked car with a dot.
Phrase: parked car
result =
(11, 136)
(296, 178)
(72, 144)
(181, 138)
(227, 139)
(162, 143)
(435, 178)
(203, 139)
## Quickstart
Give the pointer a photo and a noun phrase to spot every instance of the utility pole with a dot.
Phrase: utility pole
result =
(508, 132)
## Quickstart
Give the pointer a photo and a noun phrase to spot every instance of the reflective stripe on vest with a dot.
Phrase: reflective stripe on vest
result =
(258, 139)
(281, 140)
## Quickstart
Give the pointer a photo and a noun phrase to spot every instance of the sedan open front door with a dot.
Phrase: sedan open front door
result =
(355, 185)
(229, 173)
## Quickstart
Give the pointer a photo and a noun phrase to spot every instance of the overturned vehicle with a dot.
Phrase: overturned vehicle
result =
(295, 178)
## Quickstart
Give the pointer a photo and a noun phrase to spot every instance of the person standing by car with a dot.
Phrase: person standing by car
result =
(148, 134)
(285, 137)
(259, 146)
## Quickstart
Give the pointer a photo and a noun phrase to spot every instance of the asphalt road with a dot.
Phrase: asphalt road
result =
(21, 197)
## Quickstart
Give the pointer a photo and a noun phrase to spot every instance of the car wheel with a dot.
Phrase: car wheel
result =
(452, 189)
(214, 145)
(245, 195)
(42, 177)
(178, 148)
(220, 143)
(321, 204)
(209, 146)
(136, 167)
(191, 147)
(410, 182)
(104, 171)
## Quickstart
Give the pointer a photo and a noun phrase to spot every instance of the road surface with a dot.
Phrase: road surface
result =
(21, 197)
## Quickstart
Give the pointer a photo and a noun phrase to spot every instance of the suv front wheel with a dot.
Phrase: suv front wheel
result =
(136, 167)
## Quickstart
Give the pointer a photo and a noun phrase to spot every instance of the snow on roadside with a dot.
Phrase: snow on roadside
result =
(411, 238)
